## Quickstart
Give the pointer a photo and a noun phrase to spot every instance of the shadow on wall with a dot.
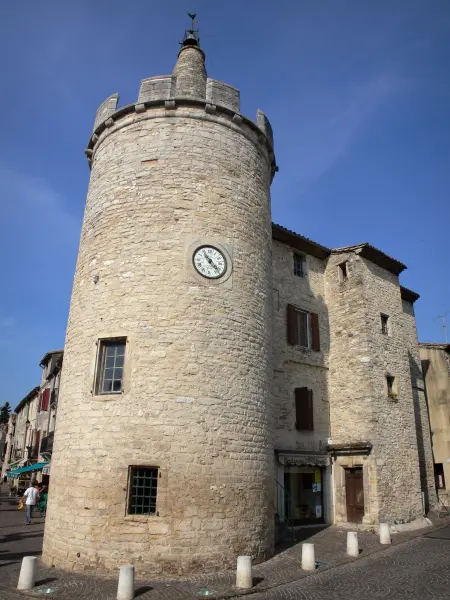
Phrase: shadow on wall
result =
(421, 418)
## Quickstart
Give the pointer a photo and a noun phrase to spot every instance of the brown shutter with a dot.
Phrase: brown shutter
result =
(315, 335)
(301, 408)
(292, 329)
(45, 399)
(40, 402)
(304, 420)
(310, 411)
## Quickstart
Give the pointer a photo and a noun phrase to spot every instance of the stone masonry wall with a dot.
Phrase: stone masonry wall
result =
(198, 378)
(295, 366)
(352, 413)
(395, 440)
(360, 358)
(190, 64)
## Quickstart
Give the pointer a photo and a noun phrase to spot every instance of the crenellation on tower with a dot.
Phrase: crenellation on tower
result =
(222, 94)
(161, 87)
(264, 124)
(106, 109)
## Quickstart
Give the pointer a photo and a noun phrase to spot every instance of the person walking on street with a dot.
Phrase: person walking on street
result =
(32, 496)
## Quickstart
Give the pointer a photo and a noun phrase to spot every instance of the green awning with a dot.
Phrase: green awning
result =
(17, 472)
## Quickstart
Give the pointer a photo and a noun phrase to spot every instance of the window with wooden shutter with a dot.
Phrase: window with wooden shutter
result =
(45, 399)
(40, 403)
(304, 420)
(302, 328)
(315, 335)
(292, 329)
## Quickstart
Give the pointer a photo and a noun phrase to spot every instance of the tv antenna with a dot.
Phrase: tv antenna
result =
(444, 323)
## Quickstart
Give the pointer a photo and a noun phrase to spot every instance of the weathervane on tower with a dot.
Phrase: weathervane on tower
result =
(191, 36)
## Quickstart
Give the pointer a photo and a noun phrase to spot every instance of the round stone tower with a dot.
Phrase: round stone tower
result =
(163, 452)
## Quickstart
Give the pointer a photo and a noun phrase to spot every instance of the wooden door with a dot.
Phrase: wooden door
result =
(354, 491)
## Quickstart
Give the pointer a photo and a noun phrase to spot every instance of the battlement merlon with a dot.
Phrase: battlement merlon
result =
(221, 99)
(106, 109)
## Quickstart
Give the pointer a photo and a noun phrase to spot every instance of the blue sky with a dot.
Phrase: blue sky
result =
(358, 94)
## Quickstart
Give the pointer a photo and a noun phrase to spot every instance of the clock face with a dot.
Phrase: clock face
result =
(209, 262)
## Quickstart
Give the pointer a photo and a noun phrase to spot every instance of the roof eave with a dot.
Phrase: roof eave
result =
(408, 295)
(299, 242)
(376, 256)
(27, 398)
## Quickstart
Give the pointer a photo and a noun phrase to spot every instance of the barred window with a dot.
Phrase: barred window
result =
(110, 363)
(143, 484)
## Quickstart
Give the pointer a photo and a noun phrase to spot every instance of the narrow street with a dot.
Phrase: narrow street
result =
(415, 567)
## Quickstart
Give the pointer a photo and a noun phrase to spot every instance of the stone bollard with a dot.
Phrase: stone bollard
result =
(125, 589)
(27, 575)
(308, 560)
(352, 543)
(244, 572)
(385, 534)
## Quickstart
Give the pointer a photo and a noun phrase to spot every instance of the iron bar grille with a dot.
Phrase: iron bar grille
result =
(143, 487)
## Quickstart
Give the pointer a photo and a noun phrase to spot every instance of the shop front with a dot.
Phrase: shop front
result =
(302, 496)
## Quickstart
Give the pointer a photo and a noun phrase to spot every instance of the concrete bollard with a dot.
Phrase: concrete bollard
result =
(244, 572)
(27, 575)
(125, 589)
(352, 543)
(385, 534)
(308, 559)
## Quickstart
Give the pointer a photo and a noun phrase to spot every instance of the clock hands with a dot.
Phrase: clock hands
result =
(212, 263)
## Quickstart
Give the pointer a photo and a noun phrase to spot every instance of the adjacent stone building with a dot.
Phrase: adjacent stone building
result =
(29, 439)
(221, 374)
(436, 369)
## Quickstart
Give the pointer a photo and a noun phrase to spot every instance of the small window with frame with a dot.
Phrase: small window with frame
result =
(110, 366)
(299, 265)
(303, 328)
(142, 490)
(343, 272)
(391, 384)
(385, 324)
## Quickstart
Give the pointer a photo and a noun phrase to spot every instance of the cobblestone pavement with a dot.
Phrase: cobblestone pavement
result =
(414, 567)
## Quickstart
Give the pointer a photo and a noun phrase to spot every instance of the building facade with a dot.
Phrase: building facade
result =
(31, 429)
(436, 370)
(221, 374)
